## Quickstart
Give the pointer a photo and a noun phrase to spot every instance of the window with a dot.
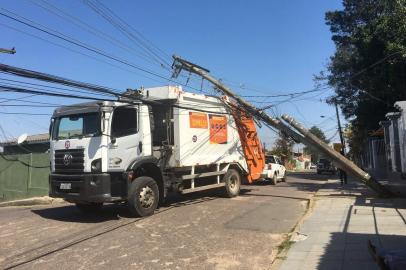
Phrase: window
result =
(269, 159)
(77, 126)
(125, 122)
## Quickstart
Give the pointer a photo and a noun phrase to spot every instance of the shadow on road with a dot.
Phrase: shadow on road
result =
(69, 213)
(246, 194)
(311, 176)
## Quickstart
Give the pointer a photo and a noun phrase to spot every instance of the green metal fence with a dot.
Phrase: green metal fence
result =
(23, 176)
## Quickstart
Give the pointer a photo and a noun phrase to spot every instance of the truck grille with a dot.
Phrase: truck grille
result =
(69, 161)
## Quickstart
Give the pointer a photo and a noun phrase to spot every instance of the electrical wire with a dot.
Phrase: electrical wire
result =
(6, 88)
(87, 27)
(119, 24)
(164, 54)
(85, 46)
(287, 94)
(80, 53)
(24, 84)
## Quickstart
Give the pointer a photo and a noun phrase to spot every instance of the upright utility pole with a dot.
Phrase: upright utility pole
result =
(300, 135)
(340, 131)
(12, 51)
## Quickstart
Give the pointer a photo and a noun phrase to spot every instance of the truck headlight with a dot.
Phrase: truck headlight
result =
(96, 165)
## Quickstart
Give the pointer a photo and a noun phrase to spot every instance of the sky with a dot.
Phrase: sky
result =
(256, 47)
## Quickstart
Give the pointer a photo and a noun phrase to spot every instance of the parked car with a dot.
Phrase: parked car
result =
(325, 165)
(274, 170)
(312, 166)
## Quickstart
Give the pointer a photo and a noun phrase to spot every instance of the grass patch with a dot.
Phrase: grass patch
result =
(285, 245)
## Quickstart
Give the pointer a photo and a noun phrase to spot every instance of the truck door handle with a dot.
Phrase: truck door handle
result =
(140, 146)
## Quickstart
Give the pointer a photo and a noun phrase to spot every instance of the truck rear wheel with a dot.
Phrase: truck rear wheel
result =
(232, 179)
(89, 207)
(143, 196)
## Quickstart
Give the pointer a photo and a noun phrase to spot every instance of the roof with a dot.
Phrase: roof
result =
(392, 115)
(77, 108)
(36, 138)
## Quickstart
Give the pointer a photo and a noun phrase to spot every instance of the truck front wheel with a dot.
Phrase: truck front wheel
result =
(143, 196)
(232, 180)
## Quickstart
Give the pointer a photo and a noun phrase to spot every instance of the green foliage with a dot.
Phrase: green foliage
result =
(283, 147)
(311, 150)
(368, 68)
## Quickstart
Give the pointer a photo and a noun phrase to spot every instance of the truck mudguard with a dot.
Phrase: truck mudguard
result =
(141, 161)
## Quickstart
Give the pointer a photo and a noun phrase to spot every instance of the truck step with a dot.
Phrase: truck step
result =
(190, 190)
(200, 175)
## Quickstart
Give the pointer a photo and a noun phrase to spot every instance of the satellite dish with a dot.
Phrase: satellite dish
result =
(22, 138)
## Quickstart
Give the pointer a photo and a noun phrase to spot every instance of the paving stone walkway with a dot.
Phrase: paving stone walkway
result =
(337, 231)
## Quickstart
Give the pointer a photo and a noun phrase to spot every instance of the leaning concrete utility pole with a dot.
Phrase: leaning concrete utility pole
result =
(337, 158)
(303, 136)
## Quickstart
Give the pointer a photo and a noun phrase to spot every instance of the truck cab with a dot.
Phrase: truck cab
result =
(93, 145)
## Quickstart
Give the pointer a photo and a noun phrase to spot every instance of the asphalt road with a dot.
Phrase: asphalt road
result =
(198, 231)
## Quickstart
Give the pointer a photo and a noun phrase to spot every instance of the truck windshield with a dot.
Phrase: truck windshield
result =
(76, 126)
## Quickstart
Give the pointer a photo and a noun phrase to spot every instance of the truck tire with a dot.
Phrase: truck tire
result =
(232, 179)
(88, 208)
(143, 196)
(274, 179)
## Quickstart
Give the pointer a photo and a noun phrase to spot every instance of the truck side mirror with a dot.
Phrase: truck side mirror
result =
(113, 139)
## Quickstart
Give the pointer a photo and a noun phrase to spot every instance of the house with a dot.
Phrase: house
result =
(374, 159)
(38, 143)
(302, 161)
(395, 140)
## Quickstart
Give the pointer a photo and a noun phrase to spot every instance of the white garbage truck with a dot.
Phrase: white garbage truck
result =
(138, 151)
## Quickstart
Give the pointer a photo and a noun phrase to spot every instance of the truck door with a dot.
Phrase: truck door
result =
(125, 141)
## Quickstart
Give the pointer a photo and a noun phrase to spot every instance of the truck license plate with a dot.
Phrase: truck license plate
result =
(65, 186)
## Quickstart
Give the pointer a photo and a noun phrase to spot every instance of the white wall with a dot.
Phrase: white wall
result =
(401, 105)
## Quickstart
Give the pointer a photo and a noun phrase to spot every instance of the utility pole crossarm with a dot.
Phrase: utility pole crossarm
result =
(12, 51)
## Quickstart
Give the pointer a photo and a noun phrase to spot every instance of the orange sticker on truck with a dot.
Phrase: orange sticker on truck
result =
(218, 129)
(197, 120)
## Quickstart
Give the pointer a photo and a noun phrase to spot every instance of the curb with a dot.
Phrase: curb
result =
(280, 256)
(32, 201)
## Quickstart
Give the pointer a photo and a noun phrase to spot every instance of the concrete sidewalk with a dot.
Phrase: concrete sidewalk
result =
(335, 234)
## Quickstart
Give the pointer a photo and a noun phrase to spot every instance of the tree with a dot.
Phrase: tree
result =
(283, 147)
(309, 150)
(367, 70)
